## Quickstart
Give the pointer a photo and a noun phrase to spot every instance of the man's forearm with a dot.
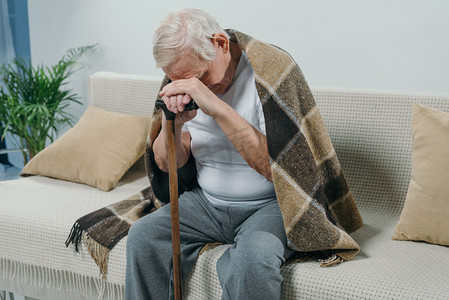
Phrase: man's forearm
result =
(248, 141)
(160, 148)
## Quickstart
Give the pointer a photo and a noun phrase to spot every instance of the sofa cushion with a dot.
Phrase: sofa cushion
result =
(97, 151)
(425, 216)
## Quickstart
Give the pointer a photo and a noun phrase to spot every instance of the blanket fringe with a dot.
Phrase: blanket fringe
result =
(75, 236)
(47, 278)
(209, 246)
(99, 253)
(332, 260)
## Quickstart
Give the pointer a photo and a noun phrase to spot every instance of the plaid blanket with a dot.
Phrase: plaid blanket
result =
(317, 205)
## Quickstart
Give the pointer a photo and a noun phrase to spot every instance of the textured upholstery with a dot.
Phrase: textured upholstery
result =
(131, 94)
(370, 131)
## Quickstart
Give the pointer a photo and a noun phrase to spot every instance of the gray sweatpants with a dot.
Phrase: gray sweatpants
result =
(249, 269)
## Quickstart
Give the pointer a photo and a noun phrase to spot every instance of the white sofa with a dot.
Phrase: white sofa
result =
(370, 130)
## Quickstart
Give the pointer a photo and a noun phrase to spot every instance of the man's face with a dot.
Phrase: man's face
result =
(213, 74)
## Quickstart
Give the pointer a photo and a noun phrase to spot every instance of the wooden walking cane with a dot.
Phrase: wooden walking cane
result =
(173, 186)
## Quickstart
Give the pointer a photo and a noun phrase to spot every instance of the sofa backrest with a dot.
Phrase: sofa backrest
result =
(124, 93)
(370, 129)
(371, 133)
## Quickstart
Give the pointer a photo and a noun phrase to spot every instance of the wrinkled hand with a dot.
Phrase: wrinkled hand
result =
(180, 92)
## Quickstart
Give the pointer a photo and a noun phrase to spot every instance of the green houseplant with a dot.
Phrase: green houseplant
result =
(34, 101)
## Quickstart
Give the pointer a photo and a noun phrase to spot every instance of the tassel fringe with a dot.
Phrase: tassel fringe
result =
(46, 278)
(75, 236)
(332, 260)
(99, 253)
(209, 246)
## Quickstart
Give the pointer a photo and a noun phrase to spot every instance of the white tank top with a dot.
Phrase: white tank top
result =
(223, 175)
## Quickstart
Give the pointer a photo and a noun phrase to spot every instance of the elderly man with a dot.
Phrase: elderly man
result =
(234, 201)
(230, 198)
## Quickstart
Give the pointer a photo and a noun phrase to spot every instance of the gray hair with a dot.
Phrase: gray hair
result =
(185, 29)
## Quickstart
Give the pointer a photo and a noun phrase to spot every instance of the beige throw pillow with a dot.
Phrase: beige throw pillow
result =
(425, 216)
(97, 151)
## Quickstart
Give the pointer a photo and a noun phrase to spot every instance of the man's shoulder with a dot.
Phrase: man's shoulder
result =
(258, 49)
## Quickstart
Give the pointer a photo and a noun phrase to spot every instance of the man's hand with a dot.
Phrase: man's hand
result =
(180, 92)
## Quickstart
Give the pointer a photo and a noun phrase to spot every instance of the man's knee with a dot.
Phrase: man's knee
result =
(261, 249)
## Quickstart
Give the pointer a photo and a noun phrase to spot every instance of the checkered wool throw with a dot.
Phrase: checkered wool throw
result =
(316, 204)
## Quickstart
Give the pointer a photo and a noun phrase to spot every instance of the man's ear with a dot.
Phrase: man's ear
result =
(221, 41)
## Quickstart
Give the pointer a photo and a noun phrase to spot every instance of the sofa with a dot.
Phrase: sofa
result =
(370, 131)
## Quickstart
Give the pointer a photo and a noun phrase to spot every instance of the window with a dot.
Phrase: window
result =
(18, 19)
(17, 11)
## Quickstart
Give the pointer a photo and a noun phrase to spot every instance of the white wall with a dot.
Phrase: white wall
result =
(386, 44)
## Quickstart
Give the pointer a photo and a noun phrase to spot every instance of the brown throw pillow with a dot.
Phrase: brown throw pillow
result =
(425, 216)
(97, 151)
